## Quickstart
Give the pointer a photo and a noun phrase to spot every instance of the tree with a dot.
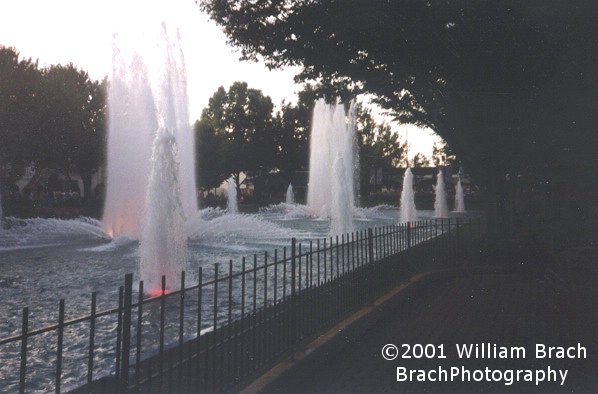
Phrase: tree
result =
(20, 101)
(54, 117)
(507, 84)
(420, 160)
(442, 154)
(293, 135)
(209, 147)
(74, 123)
(379, 146)
(242, 118)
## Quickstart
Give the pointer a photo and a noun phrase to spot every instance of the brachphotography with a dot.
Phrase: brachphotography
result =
(463, 374)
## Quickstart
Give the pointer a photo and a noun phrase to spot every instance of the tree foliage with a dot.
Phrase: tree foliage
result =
(293, 136)
(20, 103)
(510, 85)
(74, 117)
(442, 154)
(379, 147)
(228, 141)
(240, 121)
(420, 160)
(53, 117)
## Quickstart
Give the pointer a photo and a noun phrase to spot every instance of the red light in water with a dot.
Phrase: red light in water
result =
(156, 292)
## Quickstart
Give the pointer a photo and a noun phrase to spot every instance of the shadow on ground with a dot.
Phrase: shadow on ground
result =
(513, 299)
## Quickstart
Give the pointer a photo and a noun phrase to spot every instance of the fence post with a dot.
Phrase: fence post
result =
(408, 235)
(182, 329)
(119, 332)
(59, 346)
(460, 241)
(370, 246)
(293, 301)
(370, 279)
(126, 335)
(25, 334)
(139, 329)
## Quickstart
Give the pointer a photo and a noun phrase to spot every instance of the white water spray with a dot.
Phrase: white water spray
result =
(231, 194)
(341, 213)
(352, 126)
(459, 198)
(408, 212)
(163, 243)
(331, 135)
(148, 91)
(440, 204)
(290, 197)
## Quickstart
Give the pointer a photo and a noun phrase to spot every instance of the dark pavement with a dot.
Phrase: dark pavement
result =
(503, 305)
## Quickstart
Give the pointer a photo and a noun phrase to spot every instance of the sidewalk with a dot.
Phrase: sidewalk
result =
(506, 306)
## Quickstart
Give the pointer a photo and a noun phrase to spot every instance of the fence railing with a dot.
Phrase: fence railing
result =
(234, 322)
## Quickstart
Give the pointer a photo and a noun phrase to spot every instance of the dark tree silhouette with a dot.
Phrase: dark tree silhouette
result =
(510, 85)
(74, 123)
(53, 117)
(240, 120)
(20, 101)
(442, 154)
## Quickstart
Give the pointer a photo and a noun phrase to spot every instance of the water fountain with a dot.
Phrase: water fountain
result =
(459, 198)
(148, 91)
(440, 204)
(352, 127)
(150, 158)
(163, 243)
(231, 193)
(150, 196)
(331, 135)
(408, 212)
(341, 215)
(290, 197)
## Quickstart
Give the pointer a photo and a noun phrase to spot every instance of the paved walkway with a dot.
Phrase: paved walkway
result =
(506, 306)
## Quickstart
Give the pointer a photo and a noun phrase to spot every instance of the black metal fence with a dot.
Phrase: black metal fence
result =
(234, 322)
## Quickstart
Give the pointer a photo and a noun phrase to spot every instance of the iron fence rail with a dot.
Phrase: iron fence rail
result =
(221, 332)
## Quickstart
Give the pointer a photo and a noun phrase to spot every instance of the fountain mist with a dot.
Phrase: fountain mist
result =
(148, 91)
(408, 212)
(440, 204)
(232, 206)
(290, 197)
(459, 198)
(163, 244)
(331, 136)
(341, 212)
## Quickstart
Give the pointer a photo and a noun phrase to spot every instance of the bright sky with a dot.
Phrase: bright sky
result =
(80, 31)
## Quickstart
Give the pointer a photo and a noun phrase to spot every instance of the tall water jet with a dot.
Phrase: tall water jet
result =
(318, 191)
(341, 210)
(148, 91)
(231, 194)
(290, 197)
(440, 204)
(408, 212)
(459, 198)
(163, 243)
(331, 135)
(352, 125)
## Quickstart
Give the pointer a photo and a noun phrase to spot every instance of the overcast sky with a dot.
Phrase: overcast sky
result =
(81, 31)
